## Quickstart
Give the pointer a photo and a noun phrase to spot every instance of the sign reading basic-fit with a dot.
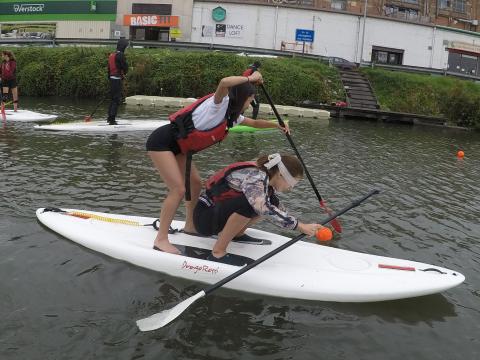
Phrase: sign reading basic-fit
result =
(150, 20)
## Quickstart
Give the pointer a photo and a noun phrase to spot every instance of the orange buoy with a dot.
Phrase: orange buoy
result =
(460, 154)
(324, 234)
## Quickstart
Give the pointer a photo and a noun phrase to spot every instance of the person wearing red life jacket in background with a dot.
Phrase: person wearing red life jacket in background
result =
(9, 78)
(117, 69)
(192, 129)
(240, 194)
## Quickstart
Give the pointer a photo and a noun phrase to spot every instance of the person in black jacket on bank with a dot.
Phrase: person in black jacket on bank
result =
(117, 69)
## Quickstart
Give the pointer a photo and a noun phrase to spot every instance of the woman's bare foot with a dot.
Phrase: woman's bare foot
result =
(166, 247)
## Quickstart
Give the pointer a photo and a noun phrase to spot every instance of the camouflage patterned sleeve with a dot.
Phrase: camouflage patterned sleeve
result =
(254, 184)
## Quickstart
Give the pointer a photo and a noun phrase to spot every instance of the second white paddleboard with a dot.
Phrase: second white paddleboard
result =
(104, 127)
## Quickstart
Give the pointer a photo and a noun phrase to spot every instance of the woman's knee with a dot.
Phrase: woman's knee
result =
(178, 191)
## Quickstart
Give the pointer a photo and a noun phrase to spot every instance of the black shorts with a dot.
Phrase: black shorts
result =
(162, 139)
(210, 220)
(12, 83)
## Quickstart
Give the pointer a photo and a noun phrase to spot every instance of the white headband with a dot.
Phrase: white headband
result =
(276, 160)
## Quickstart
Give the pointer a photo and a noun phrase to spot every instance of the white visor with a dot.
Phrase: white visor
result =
(276, 159)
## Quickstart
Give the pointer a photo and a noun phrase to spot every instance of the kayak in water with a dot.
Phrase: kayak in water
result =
(248, 129)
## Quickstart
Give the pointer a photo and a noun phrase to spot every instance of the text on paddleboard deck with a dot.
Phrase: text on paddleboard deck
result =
(201, 268)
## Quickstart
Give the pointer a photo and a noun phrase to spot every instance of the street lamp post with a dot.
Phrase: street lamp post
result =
(363, 32)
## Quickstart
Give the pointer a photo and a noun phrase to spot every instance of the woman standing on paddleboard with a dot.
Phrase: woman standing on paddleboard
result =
(9, 78)
(192, 129)
(238, 195)
(117, 70)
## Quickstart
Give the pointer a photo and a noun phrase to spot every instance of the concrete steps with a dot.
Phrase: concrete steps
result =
(358, 91)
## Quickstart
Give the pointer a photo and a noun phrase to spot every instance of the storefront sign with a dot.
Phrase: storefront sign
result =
(28, 8)
(175, 33)
(228, 30)
(150, 20)
(457, 45)
(101, 10)
(219, 14)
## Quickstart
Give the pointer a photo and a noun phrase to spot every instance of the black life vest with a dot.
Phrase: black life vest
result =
(189, 138)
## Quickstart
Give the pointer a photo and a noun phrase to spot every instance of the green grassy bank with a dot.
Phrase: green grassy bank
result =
(81, 72)
(455, 99)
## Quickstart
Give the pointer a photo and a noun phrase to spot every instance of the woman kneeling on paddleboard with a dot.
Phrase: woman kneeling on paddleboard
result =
(192, 129)
(238, 195)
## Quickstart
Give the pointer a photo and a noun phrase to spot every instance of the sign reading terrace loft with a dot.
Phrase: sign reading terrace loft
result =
(41, 10)
(150, 20)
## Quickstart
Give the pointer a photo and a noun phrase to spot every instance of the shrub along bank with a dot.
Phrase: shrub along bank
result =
(81, 72)
(457, 100)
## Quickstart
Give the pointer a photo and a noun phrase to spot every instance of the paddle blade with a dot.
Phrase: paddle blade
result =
(335, 223)
(156, 321)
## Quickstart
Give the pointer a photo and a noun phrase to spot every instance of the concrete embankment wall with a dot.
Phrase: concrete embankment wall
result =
(265, 109)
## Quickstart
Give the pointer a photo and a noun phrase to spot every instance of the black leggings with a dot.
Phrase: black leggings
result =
(210, 220)
(116, 97)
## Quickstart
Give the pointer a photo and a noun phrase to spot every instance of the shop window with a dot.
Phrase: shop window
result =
(387, 56)
(381, 57)
(454, 61)
(463, 63)
(469, 64)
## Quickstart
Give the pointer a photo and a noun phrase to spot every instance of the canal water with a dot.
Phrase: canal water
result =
(59, 300)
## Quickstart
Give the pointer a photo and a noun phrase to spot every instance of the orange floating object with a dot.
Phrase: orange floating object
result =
(460, 154)
(324, 234)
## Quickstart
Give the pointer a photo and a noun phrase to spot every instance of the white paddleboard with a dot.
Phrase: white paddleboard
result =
(104, 127)
(28, 116)
(303, 271)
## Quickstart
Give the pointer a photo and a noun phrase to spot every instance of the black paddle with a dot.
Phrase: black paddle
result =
(161, 319)
(335, 223)
(88, 118)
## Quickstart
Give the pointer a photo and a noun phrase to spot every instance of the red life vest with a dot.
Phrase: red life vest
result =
(217, 188)
(112, 66)
(8, 70)
(189, 138)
